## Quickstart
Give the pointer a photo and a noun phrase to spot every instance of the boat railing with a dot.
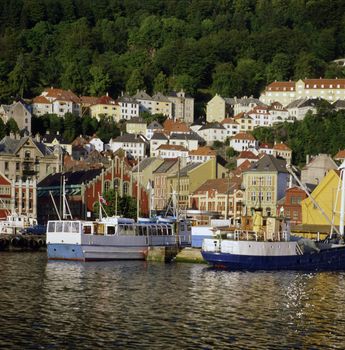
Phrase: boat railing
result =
(240, 235)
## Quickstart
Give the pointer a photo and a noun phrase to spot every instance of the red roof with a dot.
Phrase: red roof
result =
(105, 100)
(175, 126)
(172, 147)
(281, 147)
(229, 121)
(40, 99)
(281, 86)
(203, 151)
(324, 83)
(266, 146)
(340, 155)
(244, 136)
(60, 94)
(247, 155)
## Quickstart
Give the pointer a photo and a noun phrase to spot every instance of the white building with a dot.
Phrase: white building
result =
(152, 128)
(243, 141)
(212, 132)
(129, 107)
(182, 106)
(134, 145)
(97, 144)
(156, 141)
(201, 155)
(299, 108)
(172, 151)
(231, 126)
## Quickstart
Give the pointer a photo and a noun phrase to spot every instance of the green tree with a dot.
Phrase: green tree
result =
(11, 126)
(279, 69)
(2, 129)
(223, 80)
(308, 66)
(107, 129)
(71, 126)
(135, 82)
(161, 83)
(230, 152)
(100, 81)
(89, 125)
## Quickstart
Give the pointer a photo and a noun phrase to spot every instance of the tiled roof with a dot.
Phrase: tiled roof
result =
(127, 99)
(281, 147)
(160, 97)
(281, 86)
(247, 155)
(159, 136)
(136, 120)
(142, 95)
(72, 178)
(88, 100)
(105, 100)
(187, 137)
(212, 126)
(223, 186)
(60, 94)
(11, 146)
(324, 83)
(172, 147)
(203, 151)
(184, 171)
(172, 126)
(146, 162)
(266, 146)
(339, 104)
(41, 99)
(155, 125)
(269, 163)
(166, 165)
(229, 121)
(340, 155)
(129, 138)
(49, 138)
(243, 136)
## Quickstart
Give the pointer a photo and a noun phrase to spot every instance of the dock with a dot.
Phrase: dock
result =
(15, 243)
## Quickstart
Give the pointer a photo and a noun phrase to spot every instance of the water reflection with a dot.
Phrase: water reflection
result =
(128, 305)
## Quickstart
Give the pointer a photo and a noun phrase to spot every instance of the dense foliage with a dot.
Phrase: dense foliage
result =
(233, 47)
(319, 133)
(71, 126)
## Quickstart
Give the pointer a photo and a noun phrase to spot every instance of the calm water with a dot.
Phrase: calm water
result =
(138, 305)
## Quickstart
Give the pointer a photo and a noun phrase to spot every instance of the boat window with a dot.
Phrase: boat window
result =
(67, 226)
(59, 226)
(75, 227)
(100, 229)
(51, 226)
(110, 230)
(87, 230)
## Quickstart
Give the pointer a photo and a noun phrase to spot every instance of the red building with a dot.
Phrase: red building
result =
(290, 205)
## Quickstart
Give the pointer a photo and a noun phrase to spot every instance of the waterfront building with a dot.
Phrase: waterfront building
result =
(17, 197)
(223, 196)
(325, 195)
(26, 158)
(265, 184)
(290, 206)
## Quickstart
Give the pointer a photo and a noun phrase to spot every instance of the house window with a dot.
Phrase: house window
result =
(125, 188)
(269, 196)
(6, 165)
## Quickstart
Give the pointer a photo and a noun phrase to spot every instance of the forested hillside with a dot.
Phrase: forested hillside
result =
(233, 47)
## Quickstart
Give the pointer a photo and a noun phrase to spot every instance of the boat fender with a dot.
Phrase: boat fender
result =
(15, 241)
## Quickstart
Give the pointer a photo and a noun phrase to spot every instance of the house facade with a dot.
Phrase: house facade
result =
(19, 112)
(182, 106)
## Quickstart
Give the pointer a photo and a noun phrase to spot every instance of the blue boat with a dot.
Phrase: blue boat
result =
(243, 250)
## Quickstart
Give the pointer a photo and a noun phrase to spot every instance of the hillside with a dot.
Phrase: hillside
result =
(233, 47)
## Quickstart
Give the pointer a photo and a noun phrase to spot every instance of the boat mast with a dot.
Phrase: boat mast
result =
(138, 174)
(342, 203)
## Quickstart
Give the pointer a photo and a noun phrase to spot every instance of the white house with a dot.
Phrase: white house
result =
(188, 141)
(157, 140)
(243, 141)
(129, 107)
(145, 101)
(213, 132)
(299, 108)
(201, 155)
(134, 145)
(231, 126)
(246, 104)
(152, 128)
(172, 151)
(97, 143)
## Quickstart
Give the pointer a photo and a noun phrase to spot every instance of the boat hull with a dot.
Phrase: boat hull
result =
(325, 260)
(95, 253)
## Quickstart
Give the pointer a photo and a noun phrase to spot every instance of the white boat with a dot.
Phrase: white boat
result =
(14, 224)
(110, 238)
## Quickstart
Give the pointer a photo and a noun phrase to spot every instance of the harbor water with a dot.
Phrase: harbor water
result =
(140, 305)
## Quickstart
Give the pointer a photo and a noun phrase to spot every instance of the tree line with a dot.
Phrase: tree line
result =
(232, 47)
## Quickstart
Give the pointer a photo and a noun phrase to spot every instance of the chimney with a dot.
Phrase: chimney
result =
(58, 133)
(107, 94)
(307, 159)
(48, 132)
(11, 135)
(38, 137)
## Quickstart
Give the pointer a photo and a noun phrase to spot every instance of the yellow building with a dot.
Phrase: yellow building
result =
(106, 106)
(136, 126)
(325, 195)
(218, 108)
(192, 176)
(245, 121)
(161, 105)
